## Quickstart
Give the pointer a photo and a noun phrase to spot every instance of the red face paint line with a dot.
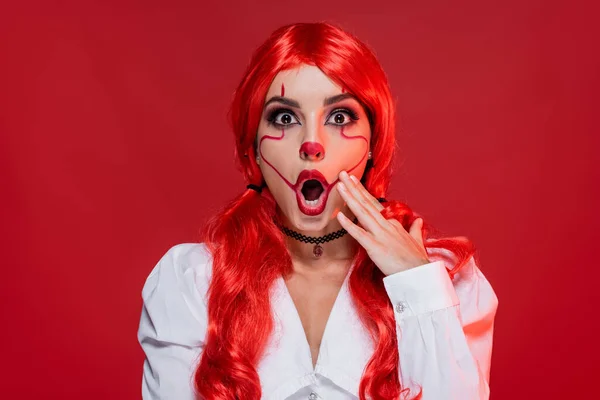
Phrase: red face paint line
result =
(282, 90)
(316, 184)
(267, 161)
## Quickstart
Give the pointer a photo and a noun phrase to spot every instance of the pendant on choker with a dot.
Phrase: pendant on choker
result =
(318, 250)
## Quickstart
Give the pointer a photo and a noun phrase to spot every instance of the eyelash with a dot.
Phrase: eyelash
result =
(273, 114)
(351, 113)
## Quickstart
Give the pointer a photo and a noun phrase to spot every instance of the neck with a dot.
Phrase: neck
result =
(335, 251)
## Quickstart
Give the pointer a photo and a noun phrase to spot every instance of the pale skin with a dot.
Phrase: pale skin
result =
(315, 283)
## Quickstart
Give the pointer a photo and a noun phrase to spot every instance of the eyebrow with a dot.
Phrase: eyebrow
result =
(283, 100)
(293, 103)
(334, 99)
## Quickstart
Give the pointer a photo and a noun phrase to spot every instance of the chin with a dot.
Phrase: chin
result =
(315, 223)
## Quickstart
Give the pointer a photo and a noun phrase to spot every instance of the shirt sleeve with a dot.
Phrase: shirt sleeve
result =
(173, 322)
(445, 329)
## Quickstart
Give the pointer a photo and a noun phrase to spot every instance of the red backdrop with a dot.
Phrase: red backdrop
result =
(115, 146)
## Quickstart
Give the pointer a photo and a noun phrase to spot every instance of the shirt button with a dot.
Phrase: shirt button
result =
(400, 307)
(313, 396)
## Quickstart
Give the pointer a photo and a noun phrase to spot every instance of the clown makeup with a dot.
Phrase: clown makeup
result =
(310, 130)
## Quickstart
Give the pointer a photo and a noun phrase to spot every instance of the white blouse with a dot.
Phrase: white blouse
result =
(444, 329)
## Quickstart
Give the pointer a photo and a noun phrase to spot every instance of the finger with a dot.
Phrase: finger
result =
(367, 205)
(366, 195)
(358, 233)
(364, 217)
(397, 224)
(374, 207)
(416, 231)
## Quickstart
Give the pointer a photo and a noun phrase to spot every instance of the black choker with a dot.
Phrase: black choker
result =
(318, 249)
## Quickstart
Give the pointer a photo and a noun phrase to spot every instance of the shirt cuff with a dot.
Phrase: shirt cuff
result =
(421, 289)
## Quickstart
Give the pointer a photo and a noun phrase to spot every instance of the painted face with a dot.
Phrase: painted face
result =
(310, 130)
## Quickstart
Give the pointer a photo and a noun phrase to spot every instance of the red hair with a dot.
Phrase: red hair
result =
(249, 251)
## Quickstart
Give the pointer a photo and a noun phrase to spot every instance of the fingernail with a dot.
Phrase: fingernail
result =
(353, 178)
(341, 186)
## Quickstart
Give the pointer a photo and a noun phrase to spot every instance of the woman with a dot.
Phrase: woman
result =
(310, 285)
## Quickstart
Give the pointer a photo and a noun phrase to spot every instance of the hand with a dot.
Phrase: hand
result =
(387, 243)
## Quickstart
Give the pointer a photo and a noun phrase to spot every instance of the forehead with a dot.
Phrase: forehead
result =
(304, 81)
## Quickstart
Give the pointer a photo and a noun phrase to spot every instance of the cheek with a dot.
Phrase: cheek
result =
(276, 151)
(347, 150)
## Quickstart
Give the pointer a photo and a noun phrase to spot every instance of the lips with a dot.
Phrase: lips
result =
(312, 191)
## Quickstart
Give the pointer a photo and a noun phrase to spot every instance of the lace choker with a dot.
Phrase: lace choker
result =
(316, 240)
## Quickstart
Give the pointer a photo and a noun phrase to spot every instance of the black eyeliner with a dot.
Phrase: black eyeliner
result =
(272, 115)
(353, 115)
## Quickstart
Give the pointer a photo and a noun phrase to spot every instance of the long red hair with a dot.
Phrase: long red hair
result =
(248, 249)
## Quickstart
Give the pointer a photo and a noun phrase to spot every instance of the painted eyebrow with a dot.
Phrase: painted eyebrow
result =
(293, 103)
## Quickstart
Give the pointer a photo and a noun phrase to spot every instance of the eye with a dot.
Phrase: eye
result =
(342, 117)
(282, 117)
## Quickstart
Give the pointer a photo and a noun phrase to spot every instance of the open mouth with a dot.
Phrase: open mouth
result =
(312, 189)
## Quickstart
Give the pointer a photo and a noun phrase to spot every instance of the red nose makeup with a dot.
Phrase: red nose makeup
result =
(312, 150)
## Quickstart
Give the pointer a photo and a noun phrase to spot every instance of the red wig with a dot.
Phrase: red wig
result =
(248, 249)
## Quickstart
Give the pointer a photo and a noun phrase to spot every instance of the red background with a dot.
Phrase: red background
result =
(114, 146)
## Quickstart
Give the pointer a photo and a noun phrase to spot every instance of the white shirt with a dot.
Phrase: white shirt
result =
(444, 329)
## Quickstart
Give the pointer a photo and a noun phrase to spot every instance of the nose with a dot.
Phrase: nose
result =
(312, 151)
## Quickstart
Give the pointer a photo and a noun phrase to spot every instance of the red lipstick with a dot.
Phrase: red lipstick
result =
(312, 191)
